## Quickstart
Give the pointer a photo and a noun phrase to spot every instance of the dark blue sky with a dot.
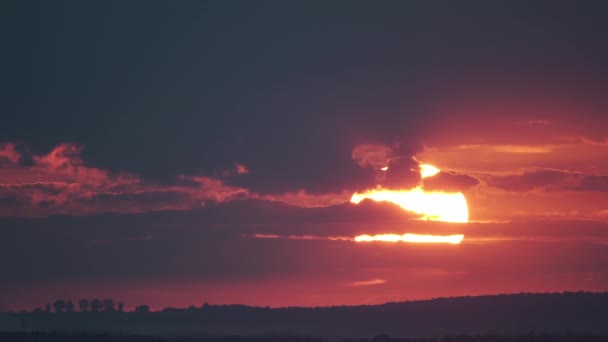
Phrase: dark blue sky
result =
(290, 86)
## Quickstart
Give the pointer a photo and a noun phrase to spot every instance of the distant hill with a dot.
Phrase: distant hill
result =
(556, 313)
(106, 337)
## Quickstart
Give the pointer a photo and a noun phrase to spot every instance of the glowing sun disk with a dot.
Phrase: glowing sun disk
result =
(432, 205)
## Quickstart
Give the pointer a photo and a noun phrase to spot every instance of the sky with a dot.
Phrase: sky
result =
(180, 153)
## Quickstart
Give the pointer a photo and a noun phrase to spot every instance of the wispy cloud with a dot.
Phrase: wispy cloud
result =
(368, 282)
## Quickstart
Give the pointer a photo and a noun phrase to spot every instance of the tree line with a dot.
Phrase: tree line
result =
(87, 305)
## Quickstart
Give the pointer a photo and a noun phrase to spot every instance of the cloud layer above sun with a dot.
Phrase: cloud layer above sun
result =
(564, 179)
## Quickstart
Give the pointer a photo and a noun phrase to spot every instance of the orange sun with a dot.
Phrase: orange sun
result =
(431, 205)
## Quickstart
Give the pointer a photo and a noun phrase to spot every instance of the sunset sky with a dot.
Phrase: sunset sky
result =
(176, 153)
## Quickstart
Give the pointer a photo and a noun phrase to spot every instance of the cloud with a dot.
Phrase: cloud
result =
(305, 199)
(61, 165)
(394, 168)
(8, 154)
(402, 173)
(241, 169)
(568, 153)
(372, 155)
(522, 149)
(550, 180)
(213, 189)
(594, 142)
(539, 122)
(601, 214)
(60, 182)
(449, 181)
(368, 282)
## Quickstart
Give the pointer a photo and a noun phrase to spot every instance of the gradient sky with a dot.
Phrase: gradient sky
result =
(180, 153)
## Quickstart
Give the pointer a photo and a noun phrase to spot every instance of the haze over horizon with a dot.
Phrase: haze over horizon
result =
(301, 154)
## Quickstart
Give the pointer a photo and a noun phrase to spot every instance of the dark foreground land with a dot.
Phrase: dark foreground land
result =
(558, 314)
(91, 337)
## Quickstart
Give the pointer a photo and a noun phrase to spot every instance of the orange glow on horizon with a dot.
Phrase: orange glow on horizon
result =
(415, 238)
(432, 205)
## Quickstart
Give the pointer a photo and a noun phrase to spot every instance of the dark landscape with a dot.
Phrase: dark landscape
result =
(78, 337)
(563, 314)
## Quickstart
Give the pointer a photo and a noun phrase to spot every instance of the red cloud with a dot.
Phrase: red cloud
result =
(62, 165)
(241, 169)
(9, 154)
(213, 189)
(60, 183)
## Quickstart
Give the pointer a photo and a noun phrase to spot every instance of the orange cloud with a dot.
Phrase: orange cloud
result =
(523, 168)
(521, 149)
(368, 282)
(59, 182)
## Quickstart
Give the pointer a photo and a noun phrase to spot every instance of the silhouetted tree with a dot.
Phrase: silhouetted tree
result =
(381, 338)
(83, 304)
(47, 308)
(108, 305)
(95, 305)
(59, 305)
(142, 308)
(69, 306)
(121, 306)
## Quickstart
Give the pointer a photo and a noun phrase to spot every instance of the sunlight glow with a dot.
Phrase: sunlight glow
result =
(416, 238)
(432, 205)
(427, 170)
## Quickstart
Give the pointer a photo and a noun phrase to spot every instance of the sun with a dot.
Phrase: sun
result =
(431, 205)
